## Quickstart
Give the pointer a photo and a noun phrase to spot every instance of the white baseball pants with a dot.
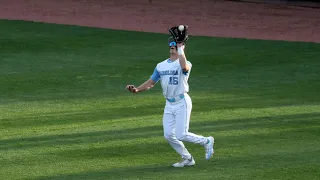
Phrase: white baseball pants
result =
(176, 120)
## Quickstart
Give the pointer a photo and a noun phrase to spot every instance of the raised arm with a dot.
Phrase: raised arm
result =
(182, 57)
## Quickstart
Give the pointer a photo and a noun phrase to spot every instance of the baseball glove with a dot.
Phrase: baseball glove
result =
(180, 36)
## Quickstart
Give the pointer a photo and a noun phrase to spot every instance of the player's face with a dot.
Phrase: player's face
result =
(173, 47)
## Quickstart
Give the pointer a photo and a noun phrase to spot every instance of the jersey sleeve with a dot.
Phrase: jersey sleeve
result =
(155, 76)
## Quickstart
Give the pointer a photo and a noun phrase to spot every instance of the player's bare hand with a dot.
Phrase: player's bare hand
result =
(132, 88)
(180, 45)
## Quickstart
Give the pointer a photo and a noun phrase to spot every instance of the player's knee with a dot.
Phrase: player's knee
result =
(181, 136)
(169, 136)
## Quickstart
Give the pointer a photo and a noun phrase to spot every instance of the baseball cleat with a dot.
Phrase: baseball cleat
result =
(209, 147)
(185, 162)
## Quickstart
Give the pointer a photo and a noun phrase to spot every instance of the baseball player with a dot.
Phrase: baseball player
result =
(173, 73)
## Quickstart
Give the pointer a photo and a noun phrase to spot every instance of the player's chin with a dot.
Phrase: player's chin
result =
(172, 50)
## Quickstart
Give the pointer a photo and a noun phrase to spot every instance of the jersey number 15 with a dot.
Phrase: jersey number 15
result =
(173, 80)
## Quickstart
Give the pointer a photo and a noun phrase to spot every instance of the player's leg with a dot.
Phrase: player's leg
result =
(169, 134)
(182, 128)
(178, 146)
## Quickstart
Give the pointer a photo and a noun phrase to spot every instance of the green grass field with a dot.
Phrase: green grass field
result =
(65, 113)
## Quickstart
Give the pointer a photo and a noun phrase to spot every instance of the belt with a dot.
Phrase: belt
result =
(175, 99)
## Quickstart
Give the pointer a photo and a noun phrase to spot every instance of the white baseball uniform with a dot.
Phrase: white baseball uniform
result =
(176, 117)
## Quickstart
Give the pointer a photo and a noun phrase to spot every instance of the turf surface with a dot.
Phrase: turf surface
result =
(64, 112)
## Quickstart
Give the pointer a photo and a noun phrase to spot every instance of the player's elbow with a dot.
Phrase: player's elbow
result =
(151, 83)
(185, 68)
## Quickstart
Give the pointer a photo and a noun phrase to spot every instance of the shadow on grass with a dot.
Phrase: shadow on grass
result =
(247, 141)
(80, 138)
(117, 173)
(206, 128)
(254, 101)
(253, 164)
(71, 117)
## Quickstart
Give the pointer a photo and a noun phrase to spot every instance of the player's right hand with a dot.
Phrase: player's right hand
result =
(132, 88)
(181, 45)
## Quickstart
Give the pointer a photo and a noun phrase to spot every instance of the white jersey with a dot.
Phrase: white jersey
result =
(173, 80)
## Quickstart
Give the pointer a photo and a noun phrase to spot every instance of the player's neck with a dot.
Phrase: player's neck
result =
(174, 57)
